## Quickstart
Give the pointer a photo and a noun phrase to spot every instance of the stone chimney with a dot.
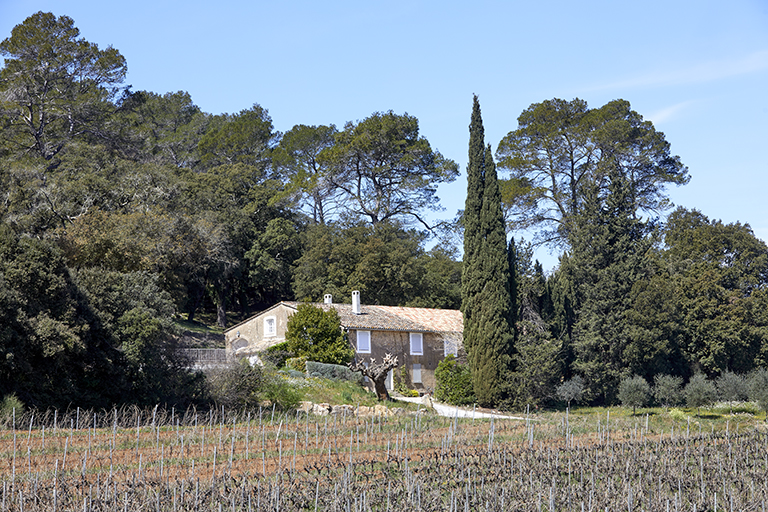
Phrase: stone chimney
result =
(356, 303)
(327, 298)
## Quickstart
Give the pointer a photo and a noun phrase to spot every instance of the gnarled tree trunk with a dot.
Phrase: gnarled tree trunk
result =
(377, 372)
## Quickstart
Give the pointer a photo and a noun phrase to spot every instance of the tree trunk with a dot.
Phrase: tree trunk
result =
(197, 295)
(377, 372)
(380, 385)
(221, 305)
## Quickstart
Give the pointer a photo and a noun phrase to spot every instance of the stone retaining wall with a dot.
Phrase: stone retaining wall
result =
(362, 411)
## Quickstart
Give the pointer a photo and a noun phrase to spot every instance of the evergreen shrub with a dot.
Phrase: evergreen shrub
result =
(454, 382)
(241, 385)
(279, 391)
(277, 355)
(298, 364)
(317, 335)
(333, 372)
(401, 383)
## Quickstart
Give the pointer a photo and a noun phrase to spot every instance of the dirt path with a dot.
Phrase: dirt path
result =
(452, 411)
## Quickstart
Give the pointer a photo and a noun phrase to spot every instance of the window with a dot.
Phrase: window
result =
(416, 378)
(364, 342)
(417, 345)
(270, 326)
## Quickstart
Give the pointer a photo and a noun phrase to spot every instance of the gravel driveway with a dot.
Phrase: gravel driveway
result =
(453, 411)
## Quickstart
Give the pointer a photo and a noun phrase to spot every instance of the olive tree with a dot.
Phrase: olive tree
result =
(758, 388)
(571, 390)
(667, 389)
(731, 387)
(700, 392)
(634, 392)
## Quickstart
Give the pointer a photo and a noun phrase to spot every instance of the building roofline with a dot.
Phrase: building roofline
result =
(238, 324)
(347, 325)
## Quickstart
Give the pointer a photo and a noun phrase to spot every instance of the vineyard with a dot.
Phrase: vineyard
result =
(163, 460)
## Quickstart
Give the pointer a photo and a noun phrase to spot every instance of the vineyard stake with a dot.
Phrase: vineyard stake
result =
(247, 433)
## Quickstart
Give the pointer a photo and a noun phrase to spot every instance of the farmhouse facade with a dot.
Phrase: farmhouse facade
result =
(419, 337)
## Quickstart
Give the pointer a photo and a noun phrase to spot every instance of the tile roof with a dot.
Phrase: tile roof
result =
(395, 318)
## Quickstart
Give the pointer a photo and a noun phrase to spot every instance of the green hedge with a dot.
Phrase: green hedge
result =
(333, 371)
(454, 382)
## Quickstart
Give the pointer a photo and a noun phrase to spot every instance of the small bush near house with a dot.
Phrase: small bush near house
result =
(454, 382)
(317, 335)
(333, 372)
(277, 390)
(277, 355)
(401, 383)
(241, 386)
(236, 386)
(298, 364)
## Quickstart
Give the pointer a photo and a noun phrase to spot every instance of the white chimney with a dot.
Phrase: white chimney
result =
(328, 298)
(356, 302)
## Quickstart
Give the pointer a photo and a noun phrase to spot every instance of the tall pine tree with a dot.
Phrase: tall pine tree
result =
(486, 301)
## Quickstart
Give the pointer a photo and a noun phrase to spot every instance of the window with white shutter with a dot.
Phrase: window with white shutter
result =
(417, 344)
(364, 342)
(416, 377)
(270, 326)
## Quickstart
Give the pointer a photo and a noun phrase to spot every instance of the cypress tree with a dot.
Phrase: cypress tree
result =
(486, 301)
(471, 279)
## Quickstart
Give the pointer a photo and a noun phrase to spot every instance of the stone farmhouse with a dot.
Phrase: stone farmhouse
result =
(419, 337)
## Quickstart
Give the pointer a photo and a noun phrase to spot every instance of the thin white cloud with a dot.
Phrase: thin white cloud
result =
(667, 113)
(700, 73)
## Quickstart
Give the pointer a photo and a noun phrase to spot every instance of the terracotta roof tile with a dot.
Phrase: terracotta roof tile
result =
(396, 318)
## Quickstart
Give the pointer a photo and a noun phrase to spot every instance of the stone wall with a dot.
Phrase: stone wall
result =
(247, 338)
(399, 344)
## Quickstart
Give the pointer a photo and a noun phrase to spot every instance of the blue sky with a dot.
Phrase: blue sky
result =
(697, 69)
